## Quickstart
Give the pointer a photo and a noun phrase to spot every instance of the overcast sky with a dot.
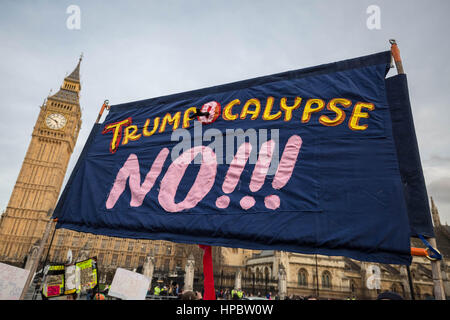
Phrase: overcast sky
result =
(141, 49)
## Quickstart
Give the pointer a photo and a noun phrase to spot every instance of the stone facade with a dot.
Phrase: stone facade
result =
(40, 179)
(336, 277)
(333, 277)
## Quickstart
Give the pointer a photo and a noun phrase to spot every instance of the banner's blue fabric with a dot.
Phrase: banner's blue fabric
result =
(408, 156)
(333, 186)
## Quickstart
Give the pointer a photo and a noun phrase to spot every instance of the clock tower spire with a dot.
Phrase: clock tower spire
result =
(40, 179)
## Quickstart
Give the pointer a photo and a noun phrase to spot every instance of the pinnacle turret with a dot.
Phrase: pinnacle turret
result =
(69, 91)
(75, 75)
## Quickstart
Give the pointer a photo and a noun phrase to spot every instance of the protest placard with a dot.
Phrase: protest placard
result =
(12, 281)
(72, 279)
(54, 281)
(87, 274)
(128, 285)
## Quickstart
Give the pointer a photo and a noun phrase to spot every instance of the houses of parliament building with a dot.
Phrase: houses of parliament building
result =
(38, 186)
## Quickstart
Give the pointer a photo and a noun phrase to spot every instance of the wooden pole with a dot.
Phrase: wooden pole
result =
(317, 277)
(208, 282)
(411, 287)
(396, 55)
(50, 244)
(38, 258)
(438, 284)
(104, 106)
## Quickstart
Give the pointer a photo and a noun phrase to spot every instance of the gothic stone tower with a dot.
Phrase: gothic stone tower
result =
(40, 179)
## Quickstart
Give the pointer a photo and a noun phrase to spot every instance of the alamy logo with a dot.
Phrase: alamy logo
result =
(374, 280)
(73, 21)
(374, 19)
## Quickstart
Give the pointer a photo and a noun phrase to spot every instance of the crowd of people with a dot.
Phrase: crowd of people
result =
(91, 294)
(173, 290)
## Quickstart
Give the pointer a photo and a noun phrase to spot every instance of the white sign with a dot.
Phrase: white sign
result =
(128, 285)
(12, 281)
(72, 278)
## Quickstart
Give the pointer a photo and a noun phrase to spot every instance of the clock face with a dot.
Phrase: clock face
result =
(55, 121)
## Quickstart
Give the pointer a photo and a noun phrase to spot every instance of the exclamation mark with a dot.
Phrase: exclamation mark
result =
(281, 178)
(234, 173)
(285, 169)
(259, 173)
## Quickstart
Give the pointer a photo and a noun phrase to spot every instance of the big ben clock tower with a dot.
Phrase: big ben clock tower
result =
(40, 179)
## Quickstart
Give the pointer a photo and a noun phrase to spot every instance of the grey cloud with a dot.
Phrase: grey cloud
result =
(440, 189)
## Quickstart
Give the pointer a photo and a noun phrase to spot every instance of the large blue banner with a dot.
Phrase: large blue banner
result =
(301, 161)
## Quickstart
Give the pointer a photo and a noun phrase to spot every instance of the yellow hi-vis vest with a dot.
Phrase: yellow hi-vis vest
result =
(157, 291)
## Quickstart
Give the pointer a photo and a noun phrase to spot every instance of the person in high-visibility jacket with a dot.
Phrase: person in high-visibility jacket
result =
(157, 290)
(236, 294)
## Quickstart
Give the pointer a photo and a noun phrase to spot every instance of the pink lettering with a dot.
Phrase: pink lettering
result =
(202, 184)
(287, 162)
(262, 165)
(236, 167)
(130, 170)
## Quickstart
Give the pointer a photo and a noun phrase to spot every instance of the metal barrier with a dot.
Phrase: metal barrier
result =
(155, 297)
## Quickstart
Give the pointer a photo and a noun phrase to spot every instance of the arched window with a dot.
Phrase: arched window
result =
(394, 288)
(258, 276)
(302, 278)
(398, 288)
(326, 279)
(417, 293)
(353, 286)
(266, 274)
